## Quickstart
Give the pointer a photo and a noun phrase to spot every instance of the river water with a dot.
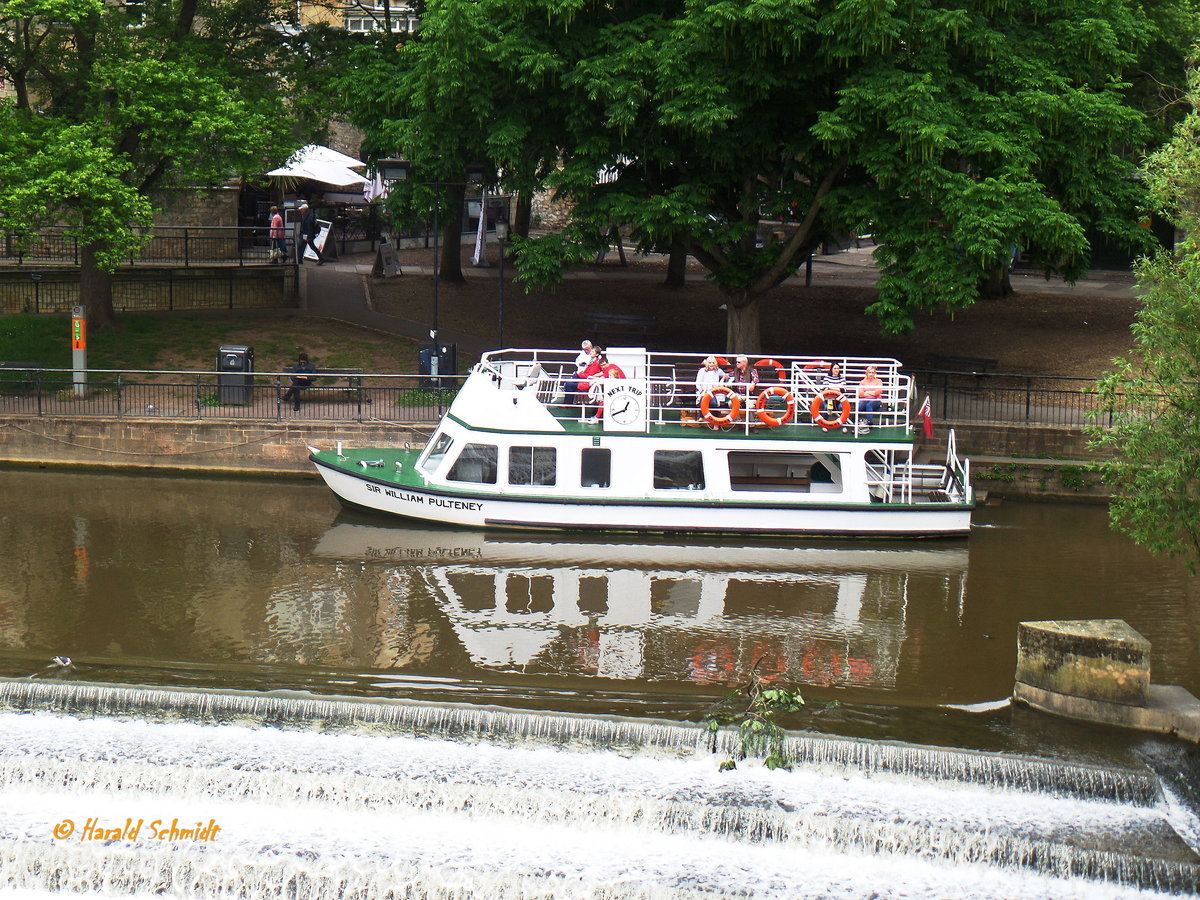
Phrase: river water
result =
(221, 587)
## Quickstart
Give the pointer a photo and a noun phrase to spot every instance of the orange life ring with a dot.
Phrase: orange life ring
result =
(815, 408)
(817, 364)
(765, 416)
(735, 406)
(777, 365)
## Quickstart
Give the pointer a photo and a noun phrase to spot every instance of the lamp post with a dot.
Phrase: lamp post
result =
(400, 170)
(501, 241)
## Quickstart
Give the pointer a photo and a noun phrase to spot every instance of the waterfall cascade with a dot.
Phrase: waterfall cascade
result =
(132, 791)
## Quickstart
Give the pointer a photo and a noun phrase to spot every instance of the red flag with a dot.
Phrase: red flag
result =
(926, 414)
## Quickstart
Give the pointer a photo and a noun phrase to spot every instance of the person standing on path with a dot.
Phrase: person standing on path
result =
(278, 237)
(308, 234)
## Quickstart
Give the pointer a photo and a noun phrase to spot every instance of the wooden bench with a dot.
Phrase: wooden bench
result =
(19, 380)
(620, 325)
(976, 365)
(323, 385)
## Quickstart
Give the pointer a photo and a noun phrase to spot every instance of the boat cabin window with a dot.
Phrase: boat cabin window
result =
(595, 468)
(532, 465)
(438, 448)
(785, 472)
(476, 464)
(678, 470)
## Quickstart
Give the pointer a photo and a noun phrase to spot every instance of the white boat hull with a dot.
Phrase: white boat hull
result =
(676, 516)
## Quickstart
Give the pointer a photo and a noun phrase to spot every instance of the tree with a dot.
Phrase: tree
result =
(112, 103)
(751, 132)
(439, 100)
(1152, 400)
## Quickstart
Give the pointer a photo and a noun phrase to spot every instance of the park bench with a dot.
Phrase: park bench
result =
(21, 376)
(976, 365)
(325, 385)
(620, 325)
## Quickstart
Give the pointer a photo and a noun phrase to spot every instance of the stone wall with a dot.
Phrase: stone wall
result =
(212, 447)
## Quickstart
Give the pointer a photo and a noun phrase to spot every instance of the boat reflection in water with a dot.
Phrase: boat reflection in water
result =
(671, 610)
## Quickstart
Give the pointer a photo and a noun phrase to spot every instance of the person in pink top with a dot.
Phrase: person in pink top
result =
(278, 237)
(870, 397)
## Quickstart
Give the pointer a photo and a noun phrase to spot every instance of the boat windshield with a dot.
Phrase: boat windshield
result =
(438, 448)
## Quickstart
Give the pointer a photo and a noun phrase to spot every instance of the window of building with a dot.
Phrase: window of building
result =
(678, 470)
(368, 15)
(476, 464)
(595, 468)
(532, 465)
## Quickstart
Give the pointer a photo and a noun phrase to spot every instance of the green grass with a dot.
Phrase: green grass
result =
(134, 344)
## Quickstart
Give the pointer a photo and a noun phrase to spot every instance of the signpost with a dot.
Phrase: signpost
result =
(386, 263)
(79, 349)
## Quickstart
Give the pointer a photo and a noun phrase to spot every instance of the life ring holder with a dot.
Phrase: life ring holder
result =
(833, 394)
(776, 365)
(765, 416)
(735, 406)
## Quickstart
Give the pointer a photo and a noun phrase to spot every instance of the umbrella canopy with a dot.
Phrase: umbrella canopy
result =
(319, 163)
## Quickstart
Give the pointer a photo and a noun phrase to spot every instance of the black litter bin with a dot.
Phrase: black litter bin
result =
(235, 367)
(446, 358)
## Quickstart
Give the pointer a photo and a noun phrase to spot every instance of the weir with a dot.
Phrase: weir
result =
(337, 797)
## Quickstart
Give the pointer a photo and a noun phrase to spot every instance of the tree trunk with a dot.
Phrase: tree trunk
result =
(95, 290)
(676, 266)
(742, 333)
(522, 215)
(996, 285)
(451, 263)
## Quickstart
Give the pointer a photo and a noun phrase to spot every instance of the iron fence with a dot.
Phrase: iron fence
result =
(403, 399)
(1010, 399)
(52, 292)
(964, 397)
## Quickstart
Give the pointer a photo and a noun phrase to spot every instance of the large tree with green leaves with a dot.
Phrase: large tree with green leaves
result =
(748, 132)
(1152, 400)
(112, 103)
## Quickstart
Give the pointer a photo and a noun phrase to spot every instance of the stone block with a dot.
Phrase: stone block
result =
(1095, 659)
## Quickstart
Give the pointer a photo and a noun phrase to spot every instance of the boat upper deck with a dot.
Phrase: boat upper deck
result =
(833, 398)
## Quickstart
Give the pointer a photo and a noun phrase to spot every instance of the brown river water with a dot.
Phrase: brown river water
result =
(244, 584)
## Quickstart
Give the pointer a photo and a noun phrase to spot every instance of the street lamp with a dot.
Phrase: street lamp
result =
(501, 240)
(400, 170)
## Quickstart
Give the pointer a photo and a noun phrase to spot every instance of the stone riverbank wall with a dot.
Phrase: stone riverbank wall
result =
(1006, 461)
(202, 447)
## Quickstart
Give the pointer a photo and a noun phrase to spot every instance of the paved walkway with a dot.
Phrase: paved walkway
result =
(341, 289)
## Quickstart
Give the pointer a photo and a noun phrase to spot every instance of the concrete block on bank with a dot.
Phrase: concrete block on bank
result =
(1099, 671)
(1097, 659)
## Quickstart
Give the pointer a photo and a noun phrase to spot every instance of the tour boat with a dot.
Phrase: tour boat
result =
(525, 445)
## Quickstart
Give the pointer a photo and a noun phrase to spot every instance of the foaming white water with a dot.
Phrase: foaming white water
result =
(307, 815)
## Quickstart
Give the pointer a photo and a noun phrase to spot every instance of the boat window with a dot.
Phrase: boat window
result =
(678, 470)
(595, 468)
(785, 472)
(476, 463)
(438, 448)
(532, 465)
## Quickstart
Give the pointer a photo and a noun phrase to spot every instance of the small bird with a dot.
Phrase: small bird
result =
(150, 407)
(57, 667)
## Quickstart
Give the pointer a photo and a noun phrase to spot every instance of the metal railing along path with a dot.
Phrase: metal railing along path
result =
(261, 396)
(955, 397)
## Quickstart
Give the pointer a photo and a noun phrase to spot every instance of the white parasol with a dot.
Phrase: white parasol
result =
(321, 164)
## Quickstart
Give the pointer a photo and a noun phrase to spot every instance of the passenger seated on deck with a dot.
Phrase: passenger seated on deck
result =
(744, 378)
(833, 381)
(710, 376)
(576, 388)
(607, 370)
(870, 398)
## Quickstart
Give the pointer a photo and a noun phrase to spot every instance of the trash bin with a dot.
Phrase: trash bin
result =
(235, 365)
(446, 358)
